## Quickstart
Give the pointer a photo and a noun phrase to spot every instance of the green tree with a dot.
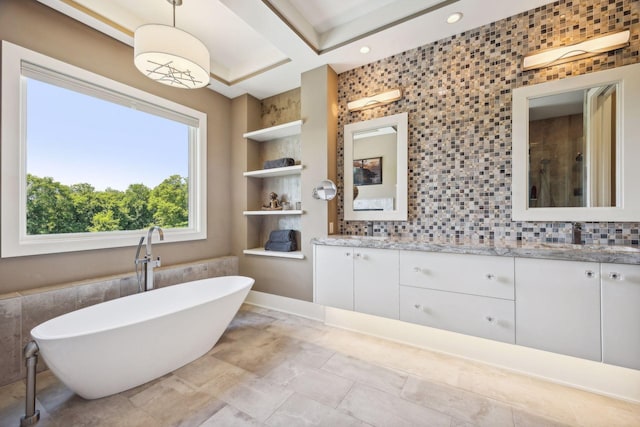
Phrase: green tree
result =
(134, 206)
(49, 206)
(104, 221)
(169, 202)
(86, 205)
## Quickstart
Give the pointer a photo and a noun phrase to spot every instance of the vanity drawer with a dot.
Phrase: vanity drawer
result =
(490, 276)
(484, 317)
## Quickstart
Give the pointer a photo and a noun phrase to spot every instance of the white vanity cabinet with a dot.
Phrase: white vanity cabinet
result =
(375, 281)
(621, 315)
(470, 294)
(558, 306)
(360, 279)
(333, 276)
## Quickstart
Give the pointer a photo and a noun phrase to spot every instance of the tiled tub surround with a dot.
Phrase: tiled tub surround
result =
(277, 369)
(457, 92)
(523, 249)
(22, 311)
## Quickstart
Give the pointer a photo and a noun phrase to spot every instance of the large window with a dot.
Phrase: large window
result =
(88, 163)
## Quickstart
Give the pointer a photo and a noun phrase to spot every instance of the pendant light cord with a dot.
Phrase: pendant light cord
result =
(174, 14)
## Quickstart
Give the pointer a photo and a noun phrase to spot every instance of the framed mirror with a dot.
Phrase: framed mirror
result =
(375, 168)
(576, 148)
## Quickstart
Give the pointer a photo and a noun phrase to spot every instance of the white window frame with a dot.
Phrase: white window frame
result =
(15, 241)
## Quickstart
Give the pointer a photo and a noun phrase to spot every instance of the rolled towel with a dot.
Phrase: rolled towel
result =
(279, 163)
(282, 236)
(281, 246)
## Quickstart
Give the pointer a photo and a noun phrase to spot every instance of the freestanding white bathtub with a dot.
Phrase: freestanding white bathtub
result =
(119, 344)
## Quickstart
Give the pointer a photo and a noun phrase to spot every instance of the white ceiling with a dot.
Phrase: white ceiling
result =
(262, 47)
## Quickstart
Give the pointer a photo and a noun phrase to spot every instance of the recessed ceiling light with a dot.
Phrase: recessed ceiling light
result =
(454, 17)
(365, 49)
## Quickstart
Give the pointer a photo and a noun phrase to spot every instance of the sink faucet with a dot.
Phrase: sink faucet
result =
(148, 260)
(370, 228)
(576, 231)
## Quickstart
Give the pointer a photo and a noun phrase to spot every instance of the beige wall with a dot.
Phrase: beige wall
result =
(34, 26)
(314, 103)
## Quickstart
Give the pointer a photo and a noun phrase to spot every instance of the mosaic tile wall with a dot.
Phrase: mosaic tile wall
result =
(457, 92)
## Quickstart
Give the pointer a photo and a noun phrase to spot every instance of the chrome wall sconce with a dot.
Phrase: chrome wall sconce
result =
(585, 49)
(375, 100)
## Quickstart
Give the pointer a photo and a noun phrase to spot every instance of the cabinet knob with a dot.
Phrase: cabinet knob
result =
(490, 319)
(615, 276)
(490, 276)
(590, 274)
(417, 269)
(417, 306)
(347, 253)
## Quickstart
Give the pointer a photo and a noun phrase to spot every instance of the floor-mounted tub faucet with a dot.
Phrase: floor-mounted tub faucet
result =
(148, 260)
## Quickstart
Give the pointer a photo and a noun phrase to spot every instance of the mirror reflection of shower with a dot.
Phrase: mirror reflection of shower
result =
(572, 148)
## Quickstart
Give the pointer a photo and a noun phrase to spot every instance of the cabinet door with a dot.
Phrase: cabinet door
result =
(376, 286)
(621, 315)
(333, 275)
(558, 306)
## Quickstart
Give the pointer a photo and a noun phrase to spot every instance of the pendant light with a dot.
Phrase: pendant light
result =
(171, 56)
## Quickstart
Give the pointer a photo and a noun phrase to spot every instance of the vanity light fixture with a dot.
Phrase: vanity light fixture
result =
(454, 17)
(573, 52)
(375, 100)
(171, 56)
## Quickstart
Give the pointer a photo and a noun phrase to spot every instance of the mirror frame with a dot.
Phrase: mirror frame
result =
(400, 121)
(628, 145)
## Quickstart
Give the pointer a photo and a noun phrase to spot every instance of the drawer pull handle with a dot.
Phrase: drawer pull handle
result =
(590, 274)
(615, 276)
(490, 276)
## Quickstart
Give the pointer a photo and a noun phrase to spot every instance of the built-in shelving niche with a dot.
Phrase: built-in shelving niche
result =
(267, 144)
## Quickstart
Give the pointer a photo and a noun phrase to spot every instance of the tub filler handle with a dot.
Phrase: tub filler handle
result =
(32, 415)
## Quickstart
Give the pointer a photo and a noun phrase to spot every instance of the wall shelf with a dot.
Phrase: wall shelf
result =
(281, 212)
(262, 252)
(275, 132)
(267, 173)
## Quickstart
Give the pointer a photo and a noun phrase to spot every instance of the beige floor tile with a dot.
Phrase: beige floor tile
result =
(321, 386)
(524, 419)
(246, 317)
(460, 404)
(230, 417)
(366, 373)
(256, 397)
(383, 409)
(172, 401)
(210, 374)
(301, 411)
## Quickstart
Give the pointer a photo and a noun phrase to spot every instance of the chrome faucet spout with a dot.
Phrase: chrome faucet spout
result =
(150, 234)
(149, 262)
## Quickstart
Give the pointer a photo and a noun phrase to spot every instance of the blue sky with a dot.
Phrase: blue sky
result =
(76, 138)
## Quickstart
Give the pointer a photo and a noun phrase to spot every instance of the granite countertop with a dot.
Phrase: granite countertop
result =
(561, 251)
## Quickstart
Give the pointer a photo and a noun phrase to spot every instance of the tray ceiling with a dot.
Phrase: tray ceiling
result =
(262, 46)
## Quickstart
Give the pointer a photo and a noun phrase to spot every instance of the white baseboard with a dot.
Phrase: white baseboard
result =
(286, 305)
(596, 377)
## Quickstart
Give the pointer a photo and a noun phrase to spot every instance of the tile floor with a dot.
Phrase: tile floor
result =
(276, 369)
